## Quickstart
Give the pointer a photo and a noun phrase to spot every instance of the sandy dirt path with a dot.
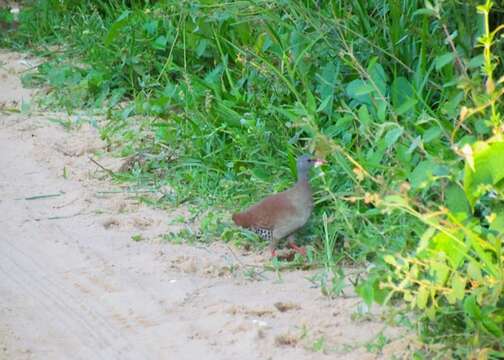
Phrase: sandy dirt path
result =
(73, 285)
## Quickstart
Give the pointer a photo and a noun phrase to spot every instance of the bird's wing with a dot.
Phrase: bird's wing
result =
(270, 211)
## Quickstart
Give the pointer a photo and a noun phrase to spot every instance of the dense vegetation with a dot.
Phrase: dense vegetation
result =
(402, 97)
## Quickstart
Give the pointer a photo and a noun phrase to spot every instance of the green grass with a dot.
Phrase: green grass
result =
(217, 100)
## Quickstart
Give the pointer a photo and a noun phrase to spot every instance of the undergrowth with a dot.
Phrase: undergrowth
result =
(217, 99)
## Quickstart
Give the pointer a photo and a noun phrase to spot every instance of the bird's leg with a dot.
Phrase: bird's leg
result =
(292, 244)
(272, 247)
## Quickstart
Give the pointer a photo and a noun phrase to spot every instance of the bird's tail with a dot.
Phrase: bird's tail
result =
(240, 220)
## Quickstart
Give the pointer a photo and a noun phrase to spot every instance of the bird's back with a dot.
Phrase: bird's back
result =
(282, 213)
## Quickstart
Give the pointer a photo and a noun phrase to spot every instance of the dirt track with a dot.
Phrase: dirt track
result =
(73, 285)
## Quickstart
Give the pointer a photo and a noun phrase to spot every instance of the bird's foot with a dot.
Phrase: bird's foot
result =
(298, 249)
(273, 253)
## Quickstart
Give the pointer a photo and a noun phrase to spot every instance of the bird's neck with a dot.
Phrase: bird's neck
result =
(302, 179)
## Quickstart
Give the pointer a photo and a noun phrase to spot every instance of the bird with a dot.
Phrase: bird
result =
(281, 215)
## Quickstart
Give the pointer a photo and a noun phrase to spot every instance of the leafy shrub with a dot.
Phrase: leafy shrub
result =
(456, 274)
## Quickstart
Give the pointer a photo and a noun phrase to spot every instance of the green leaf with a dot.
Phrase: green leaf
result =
(396, 200)
(121, 22)
(458, 285)
(471, 308)
(422, 297)
(454, 251)
(492, 327)
(382, 110)
(378, 75)
(422, 175)
(488, 168)
(160, 42)
(364, 115)
(427, 12)
(476, 62)
(151, 27)
(441, 271)
(456, 201)
(442, 60)
(359, 91)
(498, 222)
(389, 259)
(406, 106)
(310, 102)
(452, 106)
(366, 292)
(325, 103)
(359, 87)
(393, 135)
(403, 96)
(425, 239)
(202, 46)
(326, 85)
(474, 271)
(432, 133)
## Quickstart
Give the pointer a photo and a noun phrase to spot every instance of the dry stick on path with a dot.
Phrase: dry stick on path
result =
(110, 172)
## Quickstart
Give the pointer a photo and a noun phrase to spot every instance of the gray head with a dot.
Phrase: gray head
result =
(304, 164)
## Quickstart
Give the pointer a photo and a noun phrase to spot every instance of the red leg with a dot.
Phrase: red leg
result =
(273, 253)
(297, 249)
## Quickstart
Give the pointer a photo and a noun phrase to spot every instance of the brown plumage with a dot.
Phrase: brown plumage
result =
(282, 214)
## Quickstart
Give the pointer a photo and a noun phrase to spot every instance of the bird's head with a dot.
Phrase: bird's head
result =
(305, 163)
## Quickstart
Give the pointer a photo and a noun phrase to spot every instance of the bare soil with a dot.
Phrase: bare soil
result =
(74, 285)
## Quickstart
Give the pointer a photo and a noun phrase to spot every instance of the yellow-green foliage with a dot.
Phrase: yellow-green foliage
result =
(401, 97)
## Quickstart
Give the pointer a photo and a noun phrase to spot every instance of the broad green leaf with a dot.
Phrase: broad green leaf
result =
(456, 201)
(458, 285)
(488, 169)
(497, 223)
(476, 62)
(425, 239)
(202, 45)
(382, 110)
(493, 327)
(359, 91)
(396, 200)
(403, 96)
(422, 175)
(472, 308)
(408, 296)
(151, 27)
(325, 103)
(422, 297)
(454, 250)
(326, 84)
(406, 106)
(389, 259)
(359, 87)
(442, 60)
(364, 116)
(441, 271)
(366, 292)
(121, 22)
(213, 78)
(393, 135)
(432, 133)
(452, 106)
(427, 12)
(160, 42)
(378, 75)
(451, 296)
(474, 271)
(310, 102)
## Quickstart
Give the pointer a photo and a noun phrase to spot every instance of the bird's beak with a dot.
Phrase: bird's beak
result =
(319, 162)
